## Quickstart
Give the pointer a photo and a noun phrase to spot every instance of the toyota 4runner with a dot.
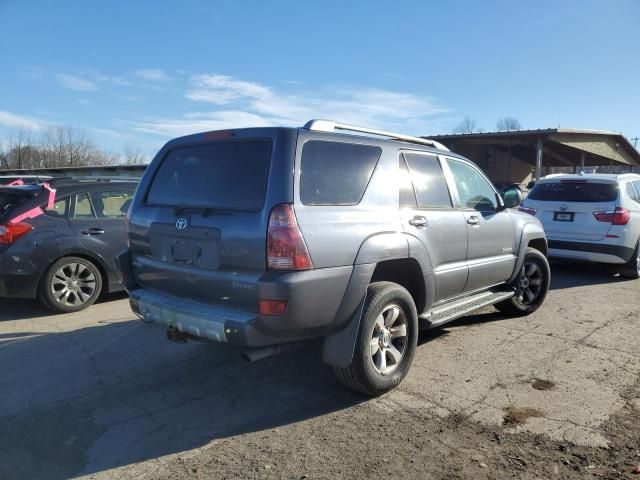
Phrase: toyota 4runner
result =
(266, 238)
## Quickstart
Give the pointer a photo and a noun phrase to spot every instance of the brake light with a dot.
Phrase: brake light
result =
(619, 216)
(286, 249)
(11, 232)
(530, 211)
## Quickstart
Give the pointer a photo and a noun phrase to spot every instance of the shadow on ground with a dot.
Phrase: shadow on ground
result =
(566, 274)
(105, 396)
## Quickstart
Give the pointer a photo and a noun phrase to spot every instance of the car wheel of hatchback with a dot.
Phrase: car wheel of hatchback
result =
(531, 285)
(386, 342)
(71, 284)
(632, 268)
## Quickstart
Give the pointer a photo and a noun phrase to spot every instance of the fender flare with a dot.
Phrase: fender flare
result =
(339, 347)
(530, 231)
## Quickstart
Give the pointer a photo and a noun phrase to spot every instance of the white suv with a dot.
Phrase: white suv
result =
(592, 217)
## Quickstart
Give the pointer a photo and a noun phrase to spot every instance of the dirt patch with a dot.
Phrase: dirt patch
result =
(514, 416)
(540, 384)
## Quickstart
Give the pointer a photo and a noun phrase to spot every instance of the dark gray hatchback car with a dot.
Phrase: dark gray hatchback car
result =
(58, 240)
(265, 238)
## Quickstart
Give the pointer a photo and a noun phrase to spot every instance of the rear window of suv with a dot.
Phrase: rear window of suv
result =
(229, 175)
(335, 173)
(575, 191)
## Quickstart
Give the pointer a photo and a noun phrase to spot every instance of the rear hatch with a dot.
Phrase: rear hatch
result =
(14, 201)
(566, 207)
(199, 220)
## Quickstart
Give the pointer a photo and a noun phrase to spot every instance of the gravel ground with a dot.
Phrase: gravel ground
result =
(554, 395)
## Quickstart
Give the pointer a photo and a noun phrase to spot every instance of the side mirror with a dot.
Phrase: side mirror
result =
(511, 197)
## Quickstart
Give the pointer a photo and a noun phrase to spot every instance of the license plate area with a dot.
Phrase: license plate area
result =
(563, 216)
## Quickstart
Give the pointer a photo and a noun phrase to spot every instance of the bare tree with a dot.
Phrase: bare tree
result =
(508, 123)
(3, 157)
(467, 125)
(133, 155)
(19, 143)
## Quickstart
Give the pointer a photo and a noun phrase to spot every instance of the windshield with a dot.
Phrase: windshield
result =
(230, 175)
(575, 192)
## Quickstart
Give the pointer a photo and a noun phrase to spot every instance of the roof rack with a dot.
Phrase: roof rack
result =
(329, 126)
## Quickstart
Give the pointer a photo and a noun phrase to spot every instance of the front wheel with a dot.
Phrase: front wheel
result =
(531, 285)
(386, 343)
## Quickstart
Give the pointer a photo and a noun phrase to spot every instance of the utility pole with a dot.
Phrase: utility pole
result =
(635, 142)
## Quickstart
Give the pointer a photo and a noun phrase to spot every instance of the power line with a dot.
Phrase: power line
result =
(635, 141)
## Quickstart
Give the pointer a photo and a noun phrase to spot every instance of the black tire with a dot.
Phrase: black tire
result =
(527, 298)
(70, 284)
(631, 269)
(376, 373)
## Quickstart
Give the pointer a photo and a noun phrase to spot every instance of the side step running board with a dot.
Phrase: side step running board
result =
(445, 313)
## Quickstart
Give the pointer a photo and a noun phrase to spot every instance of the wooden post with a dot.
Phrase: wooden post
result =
(583, 156)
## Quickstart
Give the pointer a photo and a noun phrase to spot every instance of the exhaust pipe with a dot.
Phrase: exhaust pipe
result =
(260, 353)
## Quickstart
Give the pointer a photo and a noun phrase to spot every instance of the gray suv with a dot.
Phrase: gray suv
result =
(267, 238)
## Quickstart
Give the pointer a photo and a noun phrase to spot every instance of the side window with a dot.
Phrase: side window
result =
(334, 173)
(473, 189)
(631, 191)
(428, 181)
(407, 195)
(83, 207)
(59, 209)
(112, 204)
(636, 184)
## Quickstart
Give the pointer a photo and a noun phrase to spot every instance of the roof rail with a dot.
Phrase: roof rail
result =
(329, 126)
(89, 178)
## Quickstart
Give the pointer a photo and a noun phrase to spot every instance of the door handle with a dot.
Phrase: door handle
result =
(93, 231)
(418, 221)
(473, 220)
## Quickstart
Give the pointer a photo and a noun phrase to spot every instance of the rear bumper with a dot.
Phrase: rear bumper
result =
(592, 251)
(20, 275)
(313, 299)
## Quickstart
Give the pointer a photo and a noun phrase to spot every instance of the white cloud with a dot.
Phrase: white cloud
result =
(74, 82)
(152, 75)
(11, 120)
(244, 103)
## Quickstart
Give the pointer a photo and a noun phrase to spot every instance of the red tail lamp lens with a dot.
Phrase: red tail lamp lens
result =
(286, 249)
(272, 308)
(11, 232)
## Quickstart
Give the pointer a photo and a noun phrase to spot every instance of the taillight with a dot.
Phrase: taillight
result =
(286, 249)
(530, 211)
(272, 307)
(10, 232)
(619, 216)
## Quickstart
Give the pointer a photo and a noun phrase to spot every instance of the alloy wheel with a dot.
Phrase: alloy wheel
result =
(389, 340)
(529, 284)
(73, 285)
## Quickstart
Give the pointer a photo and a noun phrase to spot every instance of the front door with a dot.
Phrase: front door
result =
(427, 213)
(491, 251)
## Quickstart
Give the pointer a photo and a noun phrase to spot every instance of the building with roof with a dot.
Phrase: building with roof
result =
(519, 156)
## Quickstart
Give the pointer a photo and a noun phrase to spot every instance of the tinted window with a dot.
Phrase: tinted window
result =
(428, 181)
(83, 207)
(336, 173)
(59, 208)
(407, 194)
(111, 204)
(473, 189)
(230, 175)
(575, 191)
(637, 185)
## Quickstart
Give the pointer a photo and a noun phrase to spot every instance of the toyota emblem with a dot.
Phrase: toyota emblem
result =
(182, 223)
(563, 207)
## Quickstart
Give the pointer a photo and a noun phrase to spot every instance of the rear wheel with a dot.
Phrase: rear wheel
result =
(71, 284)
(386, 342)
(531, 285)
(632, 268)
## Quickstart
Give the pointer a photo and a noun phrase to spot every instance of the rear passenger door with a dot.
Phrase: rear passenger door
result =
(490, 231)
(428, 213)
(98, 220)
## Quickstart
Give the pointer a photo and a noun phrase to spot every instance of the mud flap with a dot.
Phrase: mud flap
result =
(338, 348)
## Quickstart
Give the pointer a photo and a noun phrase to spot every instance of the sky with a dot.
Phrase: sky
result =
(134, 74)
